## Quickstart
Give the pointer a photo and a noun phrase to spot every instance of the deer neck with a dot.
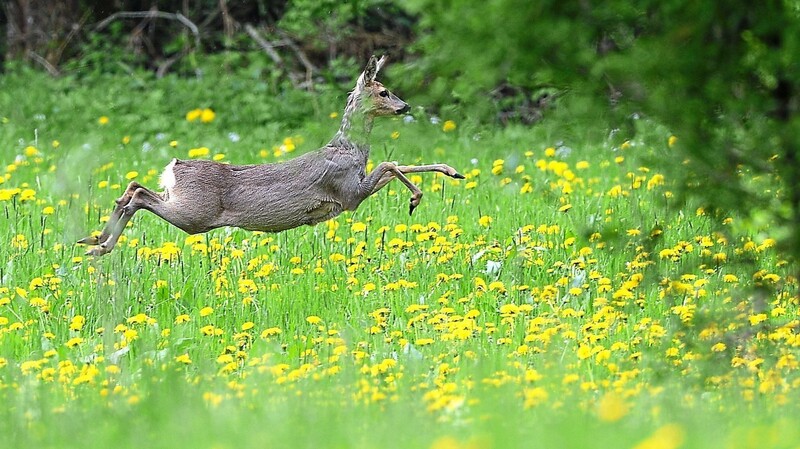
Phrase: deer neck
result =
(356, 124)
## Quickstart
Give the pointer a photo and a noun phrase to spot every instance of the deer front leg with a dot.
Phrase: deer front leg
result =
(383, 173)
(441, 168)
(387, 176)
(114, 218)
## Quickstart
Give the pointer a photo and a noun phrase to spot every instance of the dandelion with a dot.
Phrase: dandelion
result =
(198, 152)
(19, 241)
(485, 221)
(103, 120)
(77, 323)
(670, 436)
(534, 396)
(270, 332)
(207, 115)
(131, 175)
(448, 126)
(206, 311)
(313, 320)
(72, 342)
(193, 115)
(719, 347)
(611, 407)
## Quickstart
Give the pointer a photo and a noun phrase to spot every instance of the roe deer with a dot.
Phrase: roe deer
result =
(202, 195)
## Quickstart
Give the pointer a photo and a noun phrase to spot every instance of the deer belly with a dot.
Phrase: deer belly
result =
(281, 217)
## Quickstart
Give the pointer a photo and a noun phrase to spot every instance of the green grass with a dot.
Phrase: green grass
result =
(554, 298)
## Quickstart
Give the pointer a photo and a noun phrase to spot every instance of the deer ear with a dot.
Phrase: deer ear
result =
(371, 70)
(373, 66)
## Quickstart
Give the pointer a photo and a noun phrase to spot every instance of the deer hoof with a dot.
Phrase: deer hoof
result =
(91, 240)
(458, 175)
(414, 203)
(98, 251)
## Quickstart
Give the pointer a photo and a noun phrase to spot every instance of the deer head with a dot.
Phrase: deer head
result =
(375, 99)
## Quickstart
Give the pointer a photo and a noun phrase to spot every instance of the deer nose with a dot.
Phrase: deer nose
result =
(403, 110)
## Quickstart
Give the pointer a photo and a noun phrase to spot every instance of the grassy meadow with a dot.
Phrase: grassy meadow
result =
(564, 294)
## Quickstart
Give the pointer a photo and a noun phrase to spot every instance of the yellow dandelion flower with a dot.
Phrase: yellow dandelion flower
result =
(266, 333)
(534, 396)
(584, 352)
(672, 140)
(193, 115)
(448, 126)
(485, 221)
(612, 407)
(198, 152)
(131, 175)
(184, 358)
(72, 342)
(206, 311)
(670, 436)
(207, 115)
(77, 323)
(103, 120)
(313, 319)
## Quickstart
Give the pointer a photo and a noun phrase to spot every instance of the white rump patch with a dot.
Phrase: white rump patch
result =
(167, 179)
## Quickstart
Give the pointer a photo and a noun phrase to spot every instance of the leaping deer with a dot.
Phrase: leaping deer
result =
(202, 195)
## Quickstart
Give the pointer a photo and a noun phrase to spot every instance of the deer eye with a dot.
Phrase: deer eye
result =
(384, 93)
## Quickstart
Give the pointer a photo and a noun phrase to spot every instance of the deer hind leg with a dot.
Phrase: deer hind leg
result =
(391, 171)
(141, 198)
(114, 218)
